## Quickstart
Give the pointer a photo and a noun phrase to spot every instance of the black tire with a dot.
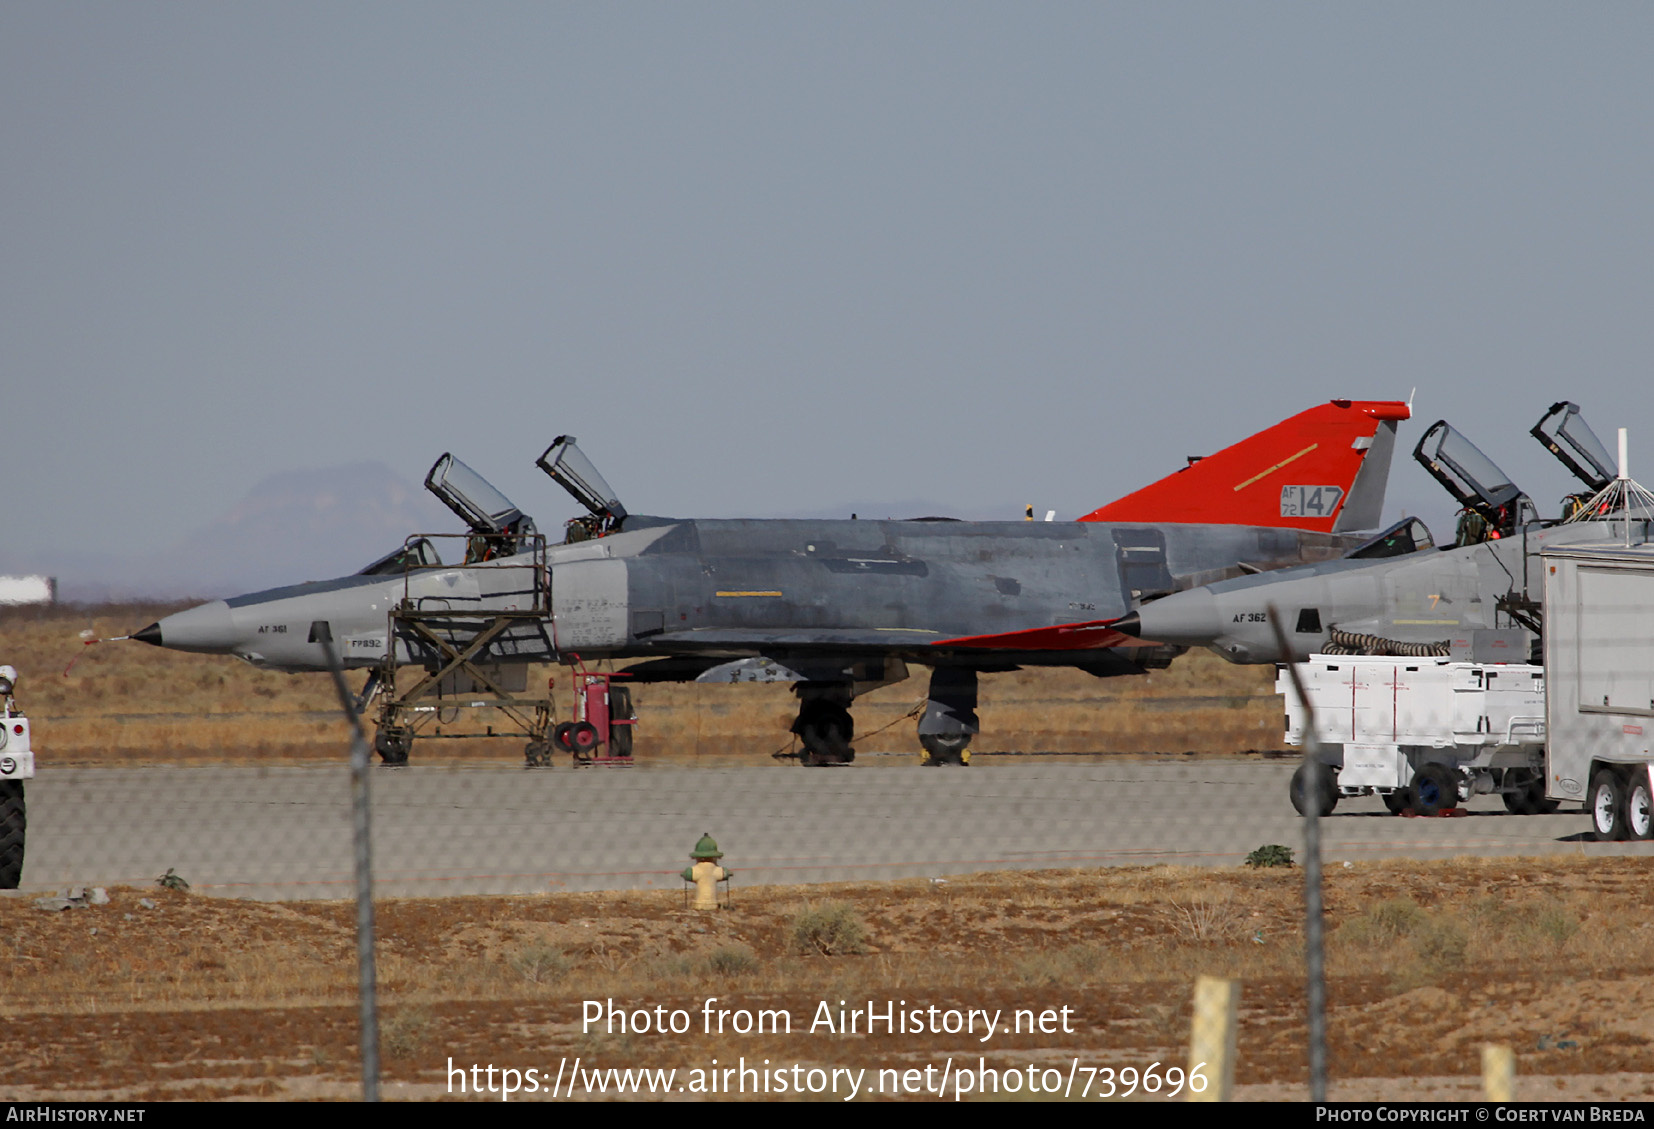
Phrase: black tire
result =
(1639, 807)
(537, 754)
(1435, 789)
(1299, 791)
(1397, 801)
(560, 736)
(14, 822)
(1528, 794)
(620, 740)
(583, 738)
(1605, 805)
(945, 748)
(393, 746)
(620, 703)
(826, 737)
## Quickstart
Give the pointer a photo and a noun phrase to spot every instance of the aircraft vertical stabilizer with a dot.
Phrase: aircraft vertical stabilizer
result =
(1300, 474)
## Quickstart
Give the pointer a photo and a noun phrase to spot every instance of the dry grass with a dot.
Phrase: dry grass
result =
(1425, 962)
(127, 702)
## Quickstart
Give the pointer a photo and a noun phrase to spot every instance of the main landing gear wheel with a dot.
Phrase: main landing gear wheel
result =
(826, 737)
(393, 745)
(1606, 804)
(13, 822)
(538, 754)
(1435, 789)
(1299, 791)
(946, 748)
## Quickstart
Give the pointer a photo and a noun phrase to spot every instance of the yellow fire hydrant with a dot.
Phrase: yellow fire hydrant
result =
(706, 873)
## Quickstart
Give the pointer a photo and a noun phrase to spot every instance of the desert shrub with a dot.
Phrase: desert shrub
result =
(542, 964)
(731, 960)
(830, 929)
(1272, 854)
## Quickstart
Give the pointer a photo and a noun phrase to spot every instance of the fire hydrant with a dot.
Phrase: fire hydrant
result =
(706, 873)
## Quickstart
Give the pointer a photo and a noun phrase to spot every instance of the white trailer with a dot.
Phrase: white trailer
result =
(1599, 652)
(16, 766)
(1423, 733)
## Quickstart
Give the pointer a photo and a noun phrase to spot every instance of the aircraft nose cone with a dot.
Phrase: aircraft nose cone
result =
(208, 628)
(1187, 619)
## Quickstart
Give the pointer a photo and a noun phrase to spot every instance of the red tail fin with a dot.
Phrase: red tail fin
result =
(1306, 472)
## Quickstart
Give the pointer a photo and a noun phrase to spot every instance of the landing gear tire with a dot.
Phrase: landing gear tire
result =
(826, 738)
(1299, 791)
(538, 754)
(13, 823)
(1396, 801)
(620, 740)
(946, 748)
(1435, 789)
(393, 745)
(1639, 807)
(1605, 803)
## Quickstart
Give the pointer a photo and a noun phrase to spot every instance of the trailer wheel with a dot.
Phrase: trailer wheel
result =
(13, 822)
(1606, 805)
(1435, 789)
(1396, 800)
(1300, 791)
(1639, 808)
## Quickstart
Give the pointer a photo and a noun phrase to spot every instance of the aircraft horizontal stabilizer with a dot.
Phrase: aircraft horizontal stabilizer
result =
(1062, 637)
(1298, 474)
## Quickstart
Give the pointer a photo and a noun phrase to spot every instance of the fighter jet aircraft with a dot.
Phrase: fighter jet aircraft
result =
(1400, 595)
(835, 607)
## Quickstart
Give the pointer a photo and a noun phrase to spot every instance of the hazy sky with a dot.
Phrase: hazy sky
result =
(770, 258)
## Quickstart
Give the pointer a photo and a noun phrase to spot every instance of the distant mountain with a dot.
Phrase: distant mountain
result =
(293, 526)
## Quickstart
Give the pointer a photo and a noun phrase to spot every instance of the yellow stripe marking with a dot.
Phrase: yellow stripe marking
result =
(1277, 466)
(746, 593)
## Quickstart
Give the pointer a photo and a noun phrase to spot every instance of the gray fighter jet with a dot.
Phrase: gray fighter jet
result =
(1401, 595)
(835, 607)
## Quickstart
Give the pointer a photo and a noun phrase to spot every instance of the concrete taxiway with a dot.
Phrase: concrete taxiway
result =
(284, 832)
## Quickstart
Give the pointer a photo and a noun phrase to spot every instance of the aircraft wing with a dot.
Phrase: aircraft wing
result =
(1060, 637)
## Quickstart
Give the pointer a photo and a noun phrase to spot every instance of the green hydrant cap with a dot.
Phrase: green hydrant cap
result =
(706, 850)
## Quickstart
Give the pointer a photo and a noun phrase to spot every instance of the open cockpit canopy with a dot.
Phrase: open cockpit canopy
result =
(498, 527)
(569, 467)
(1565, 434)
(1472, 478)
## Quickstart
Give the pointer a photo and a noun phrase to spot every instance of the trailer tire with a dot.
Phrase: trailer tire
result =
(1605, 804)
(1639, 807)
(13, 823)
(1435, 789)
(1397, 801)
(1300, 791)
